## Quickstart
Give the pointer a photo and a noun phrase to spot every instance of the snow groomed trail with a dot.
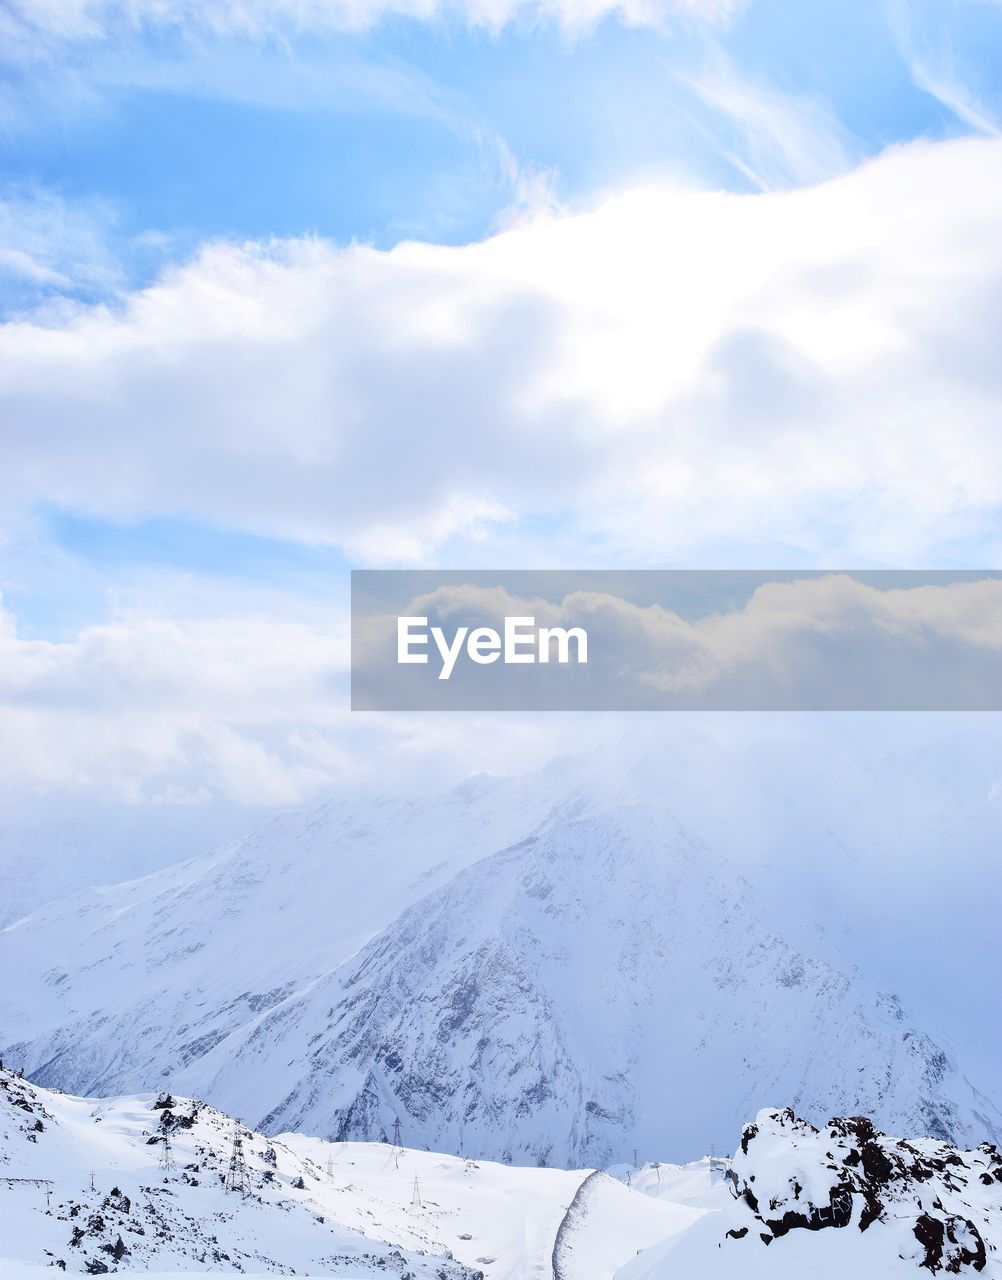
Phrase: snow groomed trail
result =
(562, 1263)
(606, 1225)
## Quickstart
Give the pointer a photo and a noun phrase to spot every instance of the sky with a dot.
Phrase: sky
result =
(294, 286)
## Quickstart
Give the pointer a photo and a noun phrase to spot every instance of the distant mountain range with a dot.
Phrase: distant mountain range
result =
(530, 970)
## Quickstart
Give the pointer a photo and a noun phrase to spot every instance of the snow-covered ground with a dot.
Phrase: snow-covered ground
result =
(699, 1184)
(91, 1185)
(83, 1185)
(843, 1202)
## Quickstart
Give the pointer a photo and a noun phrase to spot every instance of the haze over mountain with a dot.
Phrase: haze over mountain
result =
(602, 987)
(540, 969)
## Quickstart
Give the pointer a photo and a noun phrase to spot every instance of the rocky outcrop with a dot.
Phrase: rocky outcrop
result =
(847, 1175)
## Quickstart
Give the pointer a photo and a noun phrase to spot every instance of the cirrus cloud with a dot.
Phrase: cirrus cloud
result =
(35, 26)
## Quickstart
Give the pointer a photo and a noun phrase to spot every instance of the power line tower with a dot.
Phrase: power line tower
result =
(237, 1177)
(166, 1153)
(416, 1194)
(396, 1131)
(330, 1168)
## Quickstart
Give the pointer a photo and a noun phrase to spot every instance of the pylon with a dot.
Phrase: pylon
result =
(166, 1154)
(416, 1196)
(237, 1178)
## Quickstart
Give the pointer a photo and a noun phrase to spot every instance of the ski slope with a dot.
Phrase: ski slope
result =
(103, 1197)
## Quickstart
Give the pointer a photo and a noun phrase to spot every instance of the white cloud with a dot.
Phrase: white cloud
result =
(935, 68)
(46, 241)
(145, 703)
(32, 26)
(243, 710)
(670, 377)
(948, 87)
(786, 139)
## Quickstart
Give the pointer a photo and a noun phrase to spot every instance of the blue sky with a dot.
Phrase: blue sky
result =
(411, 128)
(290, 286)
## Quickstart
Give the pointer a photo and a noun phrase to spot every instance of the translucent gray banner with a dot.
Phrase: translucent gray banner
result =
(673, 640)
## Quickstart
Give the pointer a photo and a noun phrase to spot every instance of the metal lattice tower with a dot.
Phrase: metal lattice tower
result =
(416, 1195)
(396, 1132)
(237, 1177)
(166, 1154)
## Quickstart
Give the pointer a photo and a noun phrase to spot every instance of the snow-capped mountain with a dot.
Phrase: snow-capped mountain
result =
(121, 988)
(90, 1185)
(525, 970)
(842, 1200)
(602, 987)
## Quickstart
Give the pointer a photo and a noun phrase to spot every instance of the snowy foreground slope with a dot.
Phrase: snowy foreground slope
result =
(521, 969)
(89, 1185)
(349, 1210)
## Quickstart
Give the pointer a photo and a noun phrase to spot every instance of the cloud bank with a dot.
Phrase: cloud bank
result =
(663, 376)
(671, 377)
(168, 712)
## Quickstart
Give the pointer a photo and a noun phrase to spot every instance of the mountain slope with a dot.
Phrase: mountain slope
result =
(119, 989)
(601, 987)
